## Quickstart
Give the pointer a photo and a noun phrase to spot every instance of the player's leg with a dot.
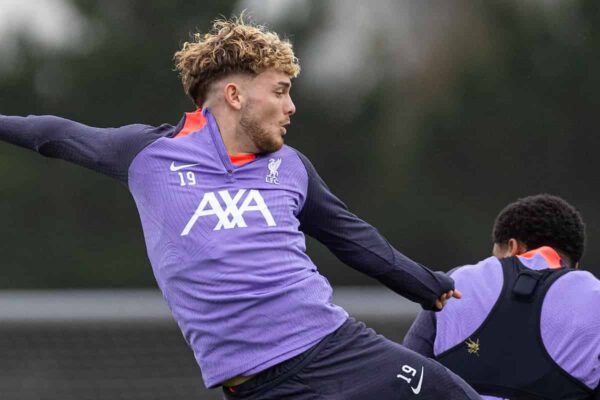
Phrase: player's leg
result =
(280, 381)
(356, 363)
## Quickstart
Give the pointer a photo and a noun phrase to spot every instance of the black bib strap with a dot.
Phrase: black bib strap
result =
(526, 284)
(505, 356)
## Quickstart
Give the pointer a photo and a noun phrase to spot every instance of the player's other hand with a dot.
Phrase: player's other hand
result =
(441, 302)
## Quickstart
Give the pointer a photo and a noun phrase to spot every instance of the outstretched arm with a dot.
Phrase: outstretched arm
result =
(361, 246)
(105, 150)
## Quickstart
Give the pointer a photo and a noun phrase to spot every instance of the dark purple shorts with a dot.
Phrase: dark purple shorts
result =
(355, 363)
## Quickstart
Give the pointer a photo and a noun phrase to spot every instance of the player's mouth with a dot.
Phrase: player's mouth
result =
(284, 128)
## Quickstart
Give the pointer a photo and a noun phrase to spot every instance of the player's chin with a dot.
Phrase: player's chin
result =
(275, 143)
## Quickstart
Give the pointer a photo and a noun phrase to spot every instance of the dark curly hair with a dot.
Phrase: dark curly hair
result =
(542, 220)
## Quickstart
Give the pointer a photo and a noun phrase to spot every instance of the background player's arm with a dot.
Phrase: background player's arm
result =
(361, 246)
(105, 150)
(421, 335)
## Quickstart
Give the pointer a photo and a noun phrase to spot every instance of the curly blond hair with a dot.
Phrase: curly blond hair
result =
(232, 46)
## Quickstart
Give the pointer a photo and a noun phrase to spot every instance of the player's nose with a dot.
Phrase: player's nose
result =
(290, 107)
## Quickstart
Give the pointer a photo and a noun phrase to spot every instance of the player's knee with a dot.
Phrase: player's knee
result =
(450, 386)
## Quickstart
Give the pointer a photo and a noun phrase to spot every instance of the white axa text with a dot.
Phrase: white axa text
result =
(232, 216)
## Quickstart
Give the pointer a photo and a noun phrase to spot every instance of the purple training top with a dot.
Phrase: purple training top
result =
(226, 242)
(570, 321)
(227, 252)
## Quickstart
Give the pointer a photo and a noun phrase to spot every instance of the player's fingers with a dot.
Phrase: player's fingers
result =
(438, 304)
(441, 302)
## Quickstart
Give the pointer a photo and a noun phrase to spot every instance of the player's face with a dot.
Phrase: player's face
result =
(267, 109)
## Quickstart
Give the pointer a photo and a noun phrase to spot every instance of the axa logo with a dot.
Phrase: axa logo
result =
(231, 215)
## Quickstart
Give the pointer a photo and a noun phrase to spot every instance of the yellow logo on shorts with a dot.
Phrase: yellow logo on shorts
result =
(473, 347)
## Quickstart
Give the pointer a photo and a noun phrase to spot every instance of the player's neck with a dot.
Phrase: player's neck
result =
(235, 141)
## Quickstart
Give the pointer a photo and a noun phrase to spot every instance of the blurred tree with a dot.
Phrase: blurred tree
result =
(425, 118)
(65, 226)
(521, 121)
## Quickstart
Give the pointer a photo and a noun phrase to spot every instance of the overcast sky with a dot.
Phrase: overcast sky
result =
(53, 24)
(364, 42)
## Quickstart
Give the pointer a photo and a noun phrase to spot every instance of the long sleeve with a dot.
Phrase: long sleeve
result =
(421, 335)
(362, 247)
(105, 150)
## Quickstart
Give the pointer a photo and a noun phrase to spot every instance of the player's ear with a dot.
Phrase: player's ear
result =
(236, 90)
(516, 247)
(232, 93)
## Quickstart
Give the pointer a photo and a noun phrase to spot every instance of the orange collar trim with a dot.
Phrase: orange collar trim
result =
(194, 121)
(241, 159)
(549, 254)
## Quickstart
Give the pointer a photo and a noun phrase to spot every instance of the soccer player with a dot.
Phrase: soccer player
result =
(528, 326)
(224, 207)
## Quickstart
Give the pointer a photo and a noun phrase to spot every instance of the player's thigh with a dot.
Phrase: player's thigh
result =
(291, 388)
(364, 365)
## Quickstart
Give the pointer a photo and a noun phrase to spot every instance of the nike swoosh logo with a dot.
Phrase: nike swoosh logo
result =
(179, 167)
(417, 390)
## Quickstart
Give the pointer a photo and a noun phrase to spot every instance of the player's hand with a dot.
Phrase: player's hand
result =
(441, 302)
